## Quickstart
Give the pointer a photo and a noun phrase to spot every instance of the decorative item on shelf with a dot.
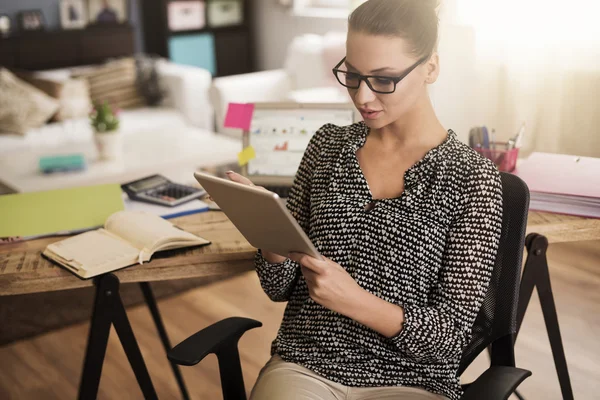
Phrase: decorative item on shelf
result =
(5, 25)
(32, 20)
(73, 14)
(225, 13)
(186, 15)
(196, 49)
(105, 122)
(107, 11)
(147, 79)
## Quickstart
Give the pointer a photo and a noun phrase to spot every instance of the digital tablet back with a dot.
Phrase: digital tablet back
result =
(259, 215)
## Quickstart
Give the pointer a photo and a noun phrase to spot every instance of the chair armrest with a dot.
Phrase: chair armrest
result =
(210, 340)
(187, 90)
(265, 86)
(496, 383)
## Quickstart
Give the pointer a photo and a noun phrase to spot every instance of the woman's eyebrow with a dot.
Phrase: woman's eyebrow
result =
(390, 69)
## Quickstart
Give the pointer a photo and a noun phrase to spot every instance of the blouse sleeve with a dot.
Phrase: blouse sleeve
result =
(441, 330)
(278, 280)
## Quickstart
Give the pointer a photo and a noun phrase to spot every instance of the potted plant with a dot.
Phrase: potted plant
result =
(105, 121)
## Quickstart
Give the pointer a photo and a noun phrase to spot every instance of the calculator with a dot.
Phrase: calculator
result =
(159, 190)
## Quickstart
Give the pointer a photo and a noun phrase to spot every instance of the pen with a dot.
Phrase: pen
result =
(485, 137)
(519, 136)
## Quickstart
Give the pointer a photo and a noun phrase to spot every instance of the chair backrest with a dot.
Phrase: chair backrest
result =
(495, 324)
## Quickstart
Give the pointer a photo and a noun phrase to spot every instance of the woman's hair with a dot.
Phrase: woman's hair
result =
(413, 20)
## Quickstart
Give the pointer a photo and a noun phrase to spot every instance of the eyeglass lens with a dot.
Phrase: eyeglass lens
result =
(379, 84)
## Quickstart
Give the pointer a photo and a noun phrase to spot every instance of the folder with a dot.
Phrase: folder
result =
(58, 211)
(562, 183)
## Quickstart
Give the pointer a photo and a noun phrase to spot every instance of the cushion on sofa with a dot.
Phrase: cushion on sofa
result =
(114, 82)
(73, 95)
(22, 106)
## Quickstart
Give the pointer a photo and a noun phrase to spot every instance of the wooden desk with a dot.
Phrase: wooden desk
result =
(544, 229)
(24, 270)
(563, 228)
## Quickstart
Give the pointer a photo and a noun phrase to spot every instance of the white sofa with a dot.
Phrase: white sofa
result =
(173, 139)
(186, 104)
(305, 77)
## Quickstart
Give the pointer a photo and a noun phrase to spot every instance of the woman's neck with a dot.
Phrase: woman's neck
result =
(419, 128)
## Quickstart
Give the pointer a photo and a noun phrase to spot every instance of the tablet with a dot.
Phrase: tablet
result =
(259, 215)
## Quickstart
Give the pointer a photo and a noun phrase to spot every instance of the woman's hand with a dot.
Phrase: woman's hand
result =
(332, 287)
(270, 257)
(329, 284)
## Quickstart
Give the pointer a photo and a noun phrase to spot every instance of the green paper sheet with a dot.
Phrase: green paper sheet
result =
(57, 211)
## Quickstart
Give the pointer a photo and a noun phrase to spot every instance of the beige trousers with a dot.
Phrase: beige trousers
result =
(280, 380)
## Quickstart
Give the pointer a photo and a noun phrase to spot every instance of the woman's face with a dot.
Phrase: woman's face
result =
(385, 56)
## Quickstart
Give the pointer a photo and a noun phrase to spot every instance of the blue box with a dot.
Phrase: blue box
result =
(62, 163)
(197, 50)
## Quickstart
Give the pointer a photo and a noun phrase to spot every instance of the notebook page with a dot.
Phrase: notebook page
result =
(95, 249)
(144, 230)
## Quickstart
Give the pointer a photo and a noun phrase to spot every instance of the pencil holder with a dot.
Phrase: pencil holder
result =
(505, 159)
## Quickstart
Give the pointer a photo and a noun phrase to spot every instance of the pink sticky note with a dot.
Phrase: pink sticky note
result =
(239, 116)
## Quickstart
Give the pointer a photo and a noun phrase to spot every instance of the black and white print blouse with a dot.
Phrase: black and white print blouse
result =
(431, 251)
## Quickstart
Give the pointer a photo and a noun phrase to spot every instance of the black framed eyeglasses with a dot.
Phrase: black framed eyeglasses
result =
(377, 83)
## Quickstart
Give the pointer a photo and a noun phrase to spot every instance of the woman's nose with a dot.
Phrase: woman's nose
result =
(364, 94)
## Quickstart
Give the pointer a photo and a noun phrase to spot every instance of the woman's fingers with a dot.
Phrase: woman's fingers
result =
(309, 275)
(239, 178)
(307, 262)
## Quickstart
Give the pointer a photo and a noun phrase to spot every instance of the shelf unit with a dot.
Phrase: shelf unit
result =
(223, 50)
(66, 48)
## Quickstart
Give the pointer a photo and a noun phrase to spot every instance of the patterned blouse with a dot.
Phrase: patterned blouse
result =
(431, 250)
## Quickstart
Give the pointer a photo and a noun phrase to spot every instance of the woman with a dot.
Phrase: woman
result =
(408, 219)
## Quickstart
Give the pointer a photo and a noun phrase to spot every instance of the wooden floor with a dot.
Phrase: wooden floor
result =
(48, 366)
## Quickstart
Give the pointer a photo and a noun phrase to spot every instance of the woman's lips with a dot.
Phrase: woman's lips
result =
(369, 114)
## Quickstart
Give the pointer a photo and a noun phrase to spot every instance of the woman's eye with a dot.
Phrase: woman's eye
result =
(383, 81)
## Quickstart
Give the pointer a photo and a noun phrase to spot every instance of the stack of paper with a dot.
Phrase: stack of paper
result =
(562, 184)
(191, 207)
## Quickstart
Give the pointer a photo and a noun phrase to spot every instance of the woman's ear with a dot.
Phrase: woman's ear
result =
(433, 68)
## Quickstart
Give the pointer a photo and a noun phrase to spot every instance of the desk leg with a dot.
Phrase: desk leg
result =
(109, 309)
(150, 300)
(536, 274)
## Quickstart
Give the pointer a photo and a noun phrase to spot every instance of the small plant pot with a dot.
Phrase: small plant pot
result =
(109, 145)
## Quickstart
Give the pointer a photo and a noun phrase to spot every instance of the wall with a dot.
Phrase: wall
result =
(50, 9)
(275, 27)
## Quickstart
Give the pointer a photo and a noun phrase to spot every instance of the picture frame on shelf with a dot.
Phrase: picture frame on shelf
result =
(5, 25)
(223, 13)
(186, 15)
(32, 20)
(103, 12)
(73, 14)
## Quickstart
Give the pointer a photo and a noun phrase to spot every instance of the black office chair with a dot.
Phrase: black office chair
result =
(494, 328)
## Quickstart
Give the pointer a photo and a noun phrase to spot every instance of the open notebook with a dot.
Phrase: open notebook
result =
(128, 237)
